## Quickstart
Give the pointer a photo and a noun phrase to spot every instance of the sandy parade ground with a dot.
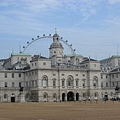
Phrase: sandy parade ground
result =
(60, 111)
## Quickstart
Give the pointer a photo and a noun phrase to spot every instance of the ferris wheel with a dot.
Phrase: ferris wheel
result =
(41, 44)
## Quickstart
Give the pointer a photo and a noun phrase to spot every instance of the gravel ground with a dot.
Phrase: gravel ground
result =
(60, 111)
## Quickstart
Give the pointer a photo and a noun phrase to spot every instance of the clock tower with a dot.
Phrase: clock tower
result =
(56, 50)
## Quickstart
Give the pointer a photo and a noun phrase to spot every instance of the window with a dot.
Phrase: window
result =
(12, 75)
(76, 83)
(116, 75)
(13, 84)
(19, 84)
(54, 83)
(5, 75)
(101, 84)
(70, 81)
(19, 75)
(95, 81)
(106, 84)
(5, 84)
(101, 76)
(76, 74)
(35, 72)
(106, 76)
(117, 83)
(63, 83)
(96, 94)
(53, 74)
(45, 81)
(5, 96)
(83, 83)
(62, 74)
(83, 75)
(36, 83)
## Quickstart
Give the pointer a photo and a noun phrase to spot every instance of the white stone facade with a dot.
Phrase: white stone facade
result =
(57, 78)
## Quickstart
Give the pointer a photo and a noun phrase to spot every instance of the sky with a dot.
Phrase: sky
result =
(91, 26)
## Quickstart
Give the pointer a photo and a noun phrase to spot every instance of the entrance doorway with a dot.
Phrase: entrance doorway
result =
(13, 97)
(77, 96)
(70, 96)
(63, 97)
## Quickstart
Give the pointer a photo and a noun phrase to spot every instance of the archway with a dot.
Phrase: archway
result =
(63, 97)
(27, 97)
(70, 96)
(77, 96)
(13, 97)
(54, 97)
(45, 97)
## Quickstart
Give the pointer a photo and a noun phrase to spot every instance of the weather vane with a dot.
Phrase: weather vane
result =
(56, 30)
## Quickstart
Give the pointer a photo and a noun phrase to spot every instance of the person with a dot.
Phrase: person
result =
(89, 98)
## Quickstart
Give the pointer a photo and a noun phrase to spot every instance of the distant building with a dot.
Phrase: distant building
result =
(110, 75)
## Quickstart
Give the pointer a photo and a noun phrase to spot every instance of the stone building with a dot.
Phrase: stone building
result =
(58, 78)
(110, 75)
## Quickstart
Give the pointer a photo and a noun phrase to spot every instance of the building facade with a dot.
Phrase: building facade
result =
(110, 75)
(25, 78)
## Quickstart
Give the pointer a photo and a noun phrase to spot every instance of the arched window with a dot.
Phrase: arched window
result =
(95, 81)
(63, 83)
(96, 94)
(44, 81)
(77, 82)
(70, 81)
(83, 83)
(5, 96)
(84, 94)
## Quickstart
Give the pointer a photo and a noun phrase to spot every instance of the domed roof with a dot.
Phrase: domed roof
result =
(55, 35)
(56, 45)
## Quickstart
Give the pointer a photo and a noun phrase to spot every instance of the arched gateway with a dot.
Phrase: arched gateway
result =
(70, 96)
